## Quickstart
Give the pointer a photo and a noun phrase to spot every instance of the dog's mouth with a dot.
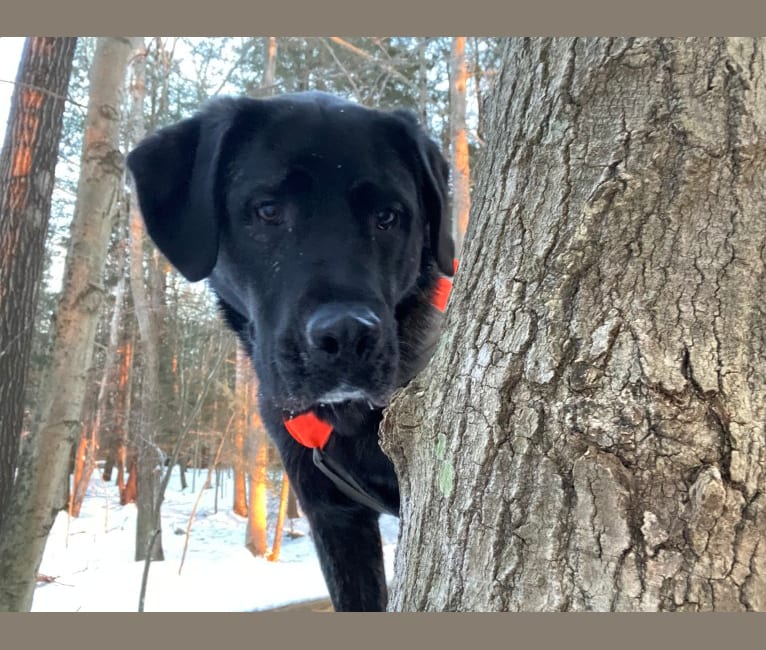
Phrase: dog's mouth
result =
(341, 397)
(344, 394)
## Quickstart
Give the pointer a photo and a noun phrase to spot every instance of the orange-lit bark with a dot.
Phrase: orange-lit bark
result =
(240, 484)
(27, 166)
(461, 180)
(258, 459)
(269, 71)
(85, 460)
(243, 374)
(122, 408)
(283, 499)
(129, 493)
(79, 470)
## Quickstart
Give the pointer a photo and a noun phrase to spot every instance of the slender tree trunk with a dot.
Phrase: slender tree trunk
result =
(283, 499)
(422, 80)
(243, 373)
(590, 433)
(129, 493)
(148, 456)
(258, 456)
(269, 71)
(461, 171)
(122, 404)
(182, 464)
(292, 506)
(477, 77)
(27, 168)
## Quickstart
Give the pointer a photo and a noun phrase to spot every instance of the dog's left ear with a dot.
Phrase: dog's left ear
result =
(435, 193)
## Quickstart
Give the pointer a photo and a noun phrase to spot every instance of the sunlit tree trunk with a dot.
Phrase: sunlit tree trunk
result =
(241, 422)
(284, 495)
(590, 432)
(27, 167)
(122, 404)
(257, 454)
(461, 174)
(269, 71)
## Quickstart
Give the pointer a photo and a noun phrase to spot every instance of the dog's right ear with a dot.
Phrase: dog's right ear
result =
(176, 172)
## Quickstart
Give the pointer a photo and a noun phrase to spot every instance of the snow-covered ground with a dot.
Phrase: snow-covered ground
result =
(91, 557)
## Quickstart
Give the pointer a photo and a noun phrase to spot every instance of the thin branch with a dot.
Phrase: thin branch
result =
(349, 76)
(202, 490)
(45, 91)
(246, 47)
(166, 479)
(369, 57)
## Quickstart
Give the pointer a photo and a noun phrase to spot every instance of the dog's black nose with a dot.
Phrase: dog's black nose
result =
(343, 330)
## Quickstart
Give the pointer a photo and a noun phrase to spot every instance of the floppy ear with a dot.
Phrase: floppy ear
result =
(175, 172)
(435, 194)
(438, 205)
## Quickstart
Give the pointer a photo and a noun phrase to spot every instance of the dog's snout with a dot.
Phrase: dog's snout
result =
(343, 330)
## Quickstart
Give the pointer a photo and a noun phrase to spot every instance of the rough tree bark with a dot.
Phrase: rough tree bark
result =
(45, 470)
(27, 167)
(590, 433)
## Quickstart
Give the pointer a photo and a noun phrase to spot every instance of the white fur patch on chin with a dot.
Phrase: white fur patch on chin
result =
(343, 394)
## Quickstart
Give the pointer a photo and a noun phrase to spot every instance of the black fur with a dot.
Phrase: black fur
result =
(322, 227)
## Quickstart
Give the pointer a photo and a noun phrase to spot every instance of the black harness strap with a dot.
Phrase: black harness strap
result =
(348, 485)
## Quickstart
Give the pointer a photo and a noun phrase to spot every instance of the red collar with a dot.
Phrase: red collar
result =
(308, 428)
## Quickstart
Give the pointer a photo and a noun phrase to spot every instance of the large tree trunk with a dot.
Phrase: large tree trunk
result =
(27, 168)
(590, 433)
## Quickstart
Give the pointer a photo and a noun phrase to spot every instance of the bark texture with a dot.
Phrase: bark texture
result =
(46, 470)
(590, 434)
(27, 168)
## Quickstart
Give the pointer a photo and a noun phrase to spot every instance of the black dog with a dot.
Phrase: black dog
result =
(323, 228)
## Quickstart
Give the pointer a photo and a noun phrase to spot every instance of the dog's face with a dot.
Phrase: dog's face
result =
(314, 219)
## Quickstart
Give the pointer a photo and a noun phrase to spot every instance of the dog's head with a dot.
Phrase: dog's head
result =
(315, 220)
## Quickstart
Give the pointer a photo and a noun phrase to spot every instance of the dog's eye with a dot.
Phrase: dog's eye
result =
(269, 212)
(385, 219)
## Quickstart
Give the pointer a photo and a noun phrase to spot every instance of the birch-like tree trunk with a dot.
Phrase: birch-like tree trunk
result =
(46, 469)
(590, 433)
(27, 169)
(90, 436)
(148, 455)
